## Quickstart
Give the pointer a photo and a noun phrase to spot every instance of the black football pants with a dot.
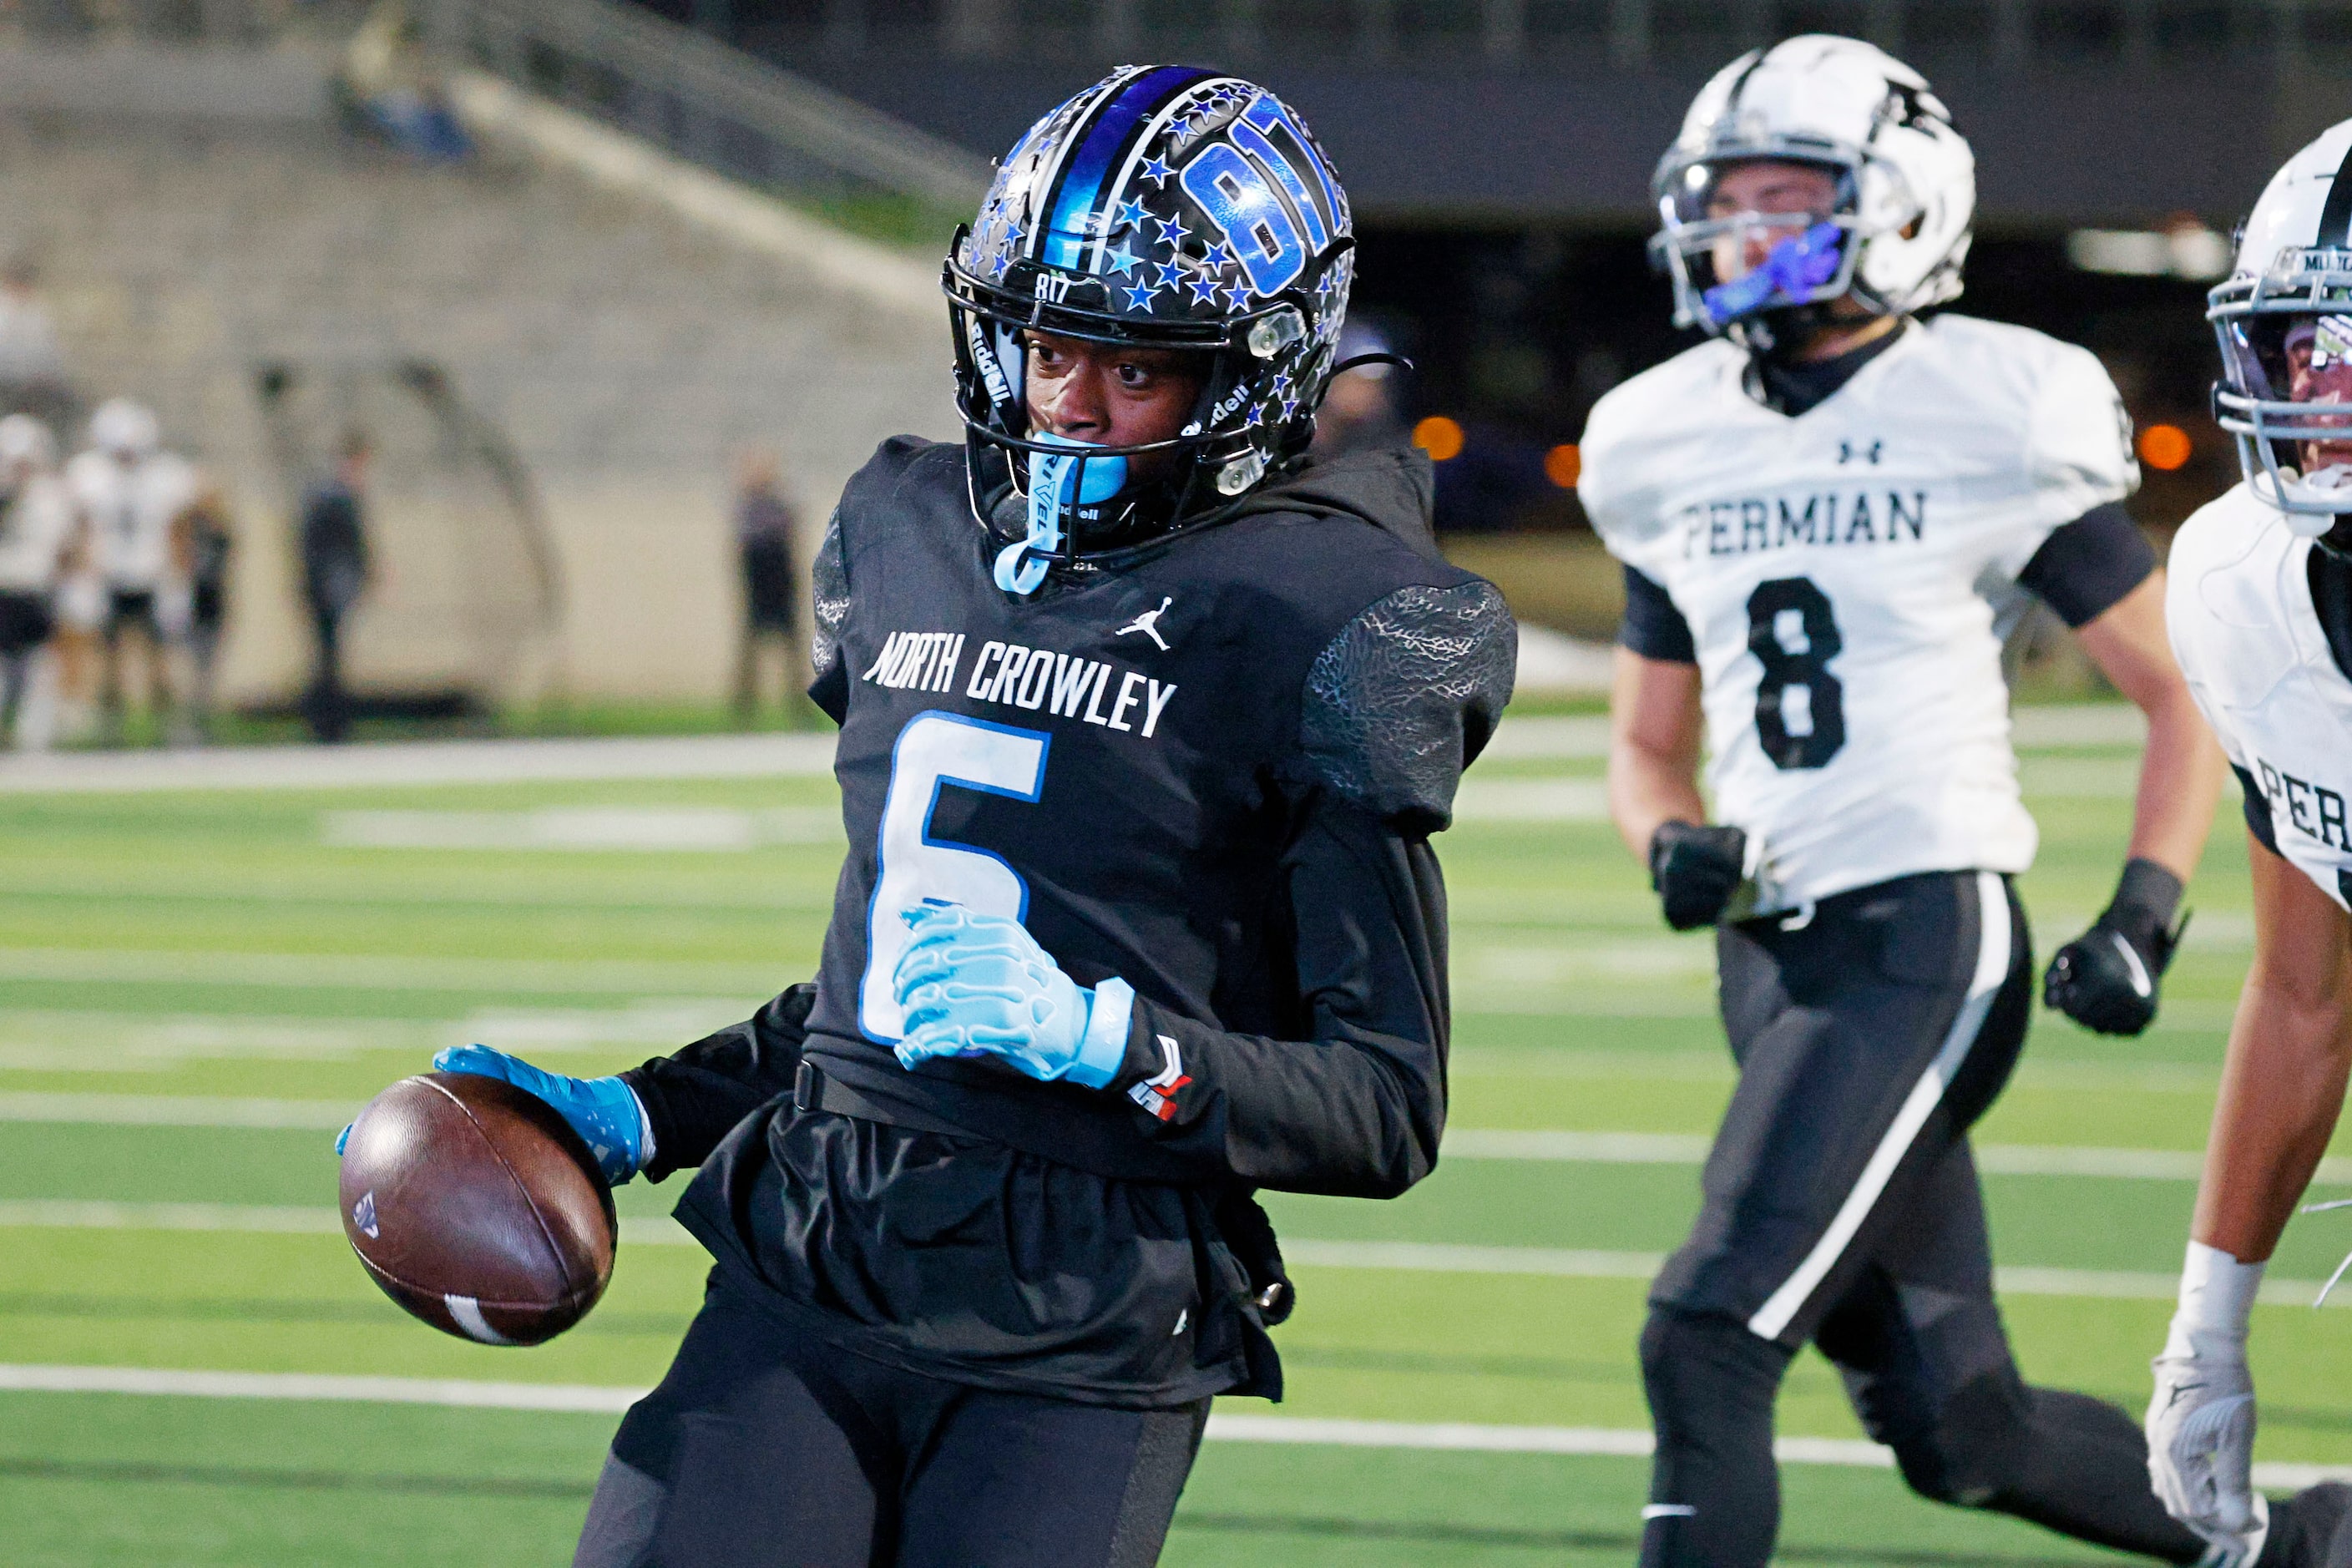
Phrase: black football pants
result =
(764, 1449)
(1841, 1206)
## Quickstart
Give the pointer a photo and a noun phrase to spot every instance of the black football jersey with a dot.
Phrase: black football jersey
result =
(1209, 769)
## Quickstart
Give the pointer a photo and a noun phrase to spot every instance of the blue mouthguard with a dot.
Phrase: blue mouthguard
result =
(1796, 266)
(1055, 482)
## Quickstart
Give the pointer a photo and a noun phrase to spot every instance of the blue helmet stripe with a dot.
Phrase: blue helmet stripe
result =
(1103, 145)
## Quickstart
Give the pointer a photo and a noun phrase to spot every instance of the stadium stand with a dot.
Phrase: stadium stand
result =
(622, 344)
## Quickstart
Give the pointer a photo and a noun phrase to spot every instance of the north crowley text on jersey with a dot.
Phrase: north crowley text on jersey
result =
(1066, 685)
(1826, 519)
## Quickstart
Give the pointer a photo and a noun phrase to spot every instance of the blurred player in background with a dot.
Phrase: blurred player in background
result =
(131, 493)
(1360, 414)
(201, 543)
(35, 523)
(1146, 720)
(1829, 515)
(764, 528)
(336, 565)
(2261, 614)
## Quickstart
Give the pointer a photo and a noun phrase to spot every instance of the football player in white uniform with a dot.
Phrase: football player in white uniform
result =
(131, 493)
(2261, 614)
(36, 522)
(1829, 516)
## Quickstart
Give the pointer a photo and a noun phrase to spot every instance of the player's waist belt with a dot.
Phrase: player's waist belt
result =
(1102, 1141)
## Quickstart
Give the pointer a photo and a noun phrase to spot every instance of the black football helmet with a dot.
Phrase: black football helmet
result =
(1167, 208)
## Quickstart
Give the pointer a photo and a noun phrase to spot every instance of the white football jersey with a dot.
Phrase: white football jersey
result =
(1848, 575)
(2239, 608)
(34, 525)
(130, 511)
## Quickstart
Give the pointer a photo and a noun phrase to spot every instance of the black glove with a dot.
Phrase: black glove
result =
(2107, 978)
(1696, 870)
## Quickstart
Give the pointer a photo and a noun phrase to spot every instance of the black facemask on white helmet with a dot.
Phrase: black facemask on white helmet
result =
(1892, 234)
(2283, 321)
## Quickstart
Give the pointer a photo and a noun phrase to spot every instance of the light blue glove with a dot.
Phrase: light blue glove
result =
(975, 984)
(604, 1111)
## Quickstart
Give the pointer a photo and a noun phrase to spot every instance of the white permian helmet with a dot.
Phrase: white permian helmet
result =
(124, 427)
(27, 443)
(2292, 281)
(1906, 186)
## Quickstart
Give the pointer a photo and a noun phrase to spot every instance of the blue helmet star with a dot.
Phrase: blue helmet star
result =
(1119, 258)
(1257, 417)
(1013, 233)
(1170, 275)
(1140, 296)
(1173, 230)
(1217, 258)
(1289, 409)
(1157, 172)
(1204, 291)
(1282, 385)
(1237, 295)
(1131, 215)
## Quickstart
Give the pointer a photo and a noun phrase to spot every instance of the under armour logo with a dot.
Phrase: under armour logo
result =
(1147, 624)
(1848, 451)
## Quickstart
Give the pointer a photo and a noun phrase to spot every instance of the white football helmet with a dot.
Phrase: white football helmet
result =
(1898, 228)
(123, 428)
(2290, 297)
(26, 445)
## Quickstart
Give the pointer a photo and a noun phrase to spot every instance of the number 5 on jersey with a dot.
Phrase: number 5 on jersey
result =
(935, 750)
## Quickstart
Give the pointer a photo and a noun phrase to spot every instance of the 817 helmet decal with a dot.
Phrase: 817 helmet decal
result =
(1164, 207)
(1897, 227)
(2284, 320)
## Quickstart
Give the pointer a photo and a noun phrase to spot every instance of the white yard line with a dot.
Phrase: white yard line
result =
(1409, 1257)
(379, 972)
(412, 762)
(1461, 1143)
(571, 1398)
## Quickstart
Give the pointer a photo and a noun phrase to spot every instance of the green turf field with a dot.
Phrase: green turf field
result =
(195, 987)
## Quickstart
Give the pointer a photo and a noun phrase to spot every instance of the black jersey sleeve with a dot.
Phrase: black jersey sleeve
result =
(2086, 567)
(1353, 1100)
(1404, 698)
(694, 1097)
(1653, 627)
(1355, 1105)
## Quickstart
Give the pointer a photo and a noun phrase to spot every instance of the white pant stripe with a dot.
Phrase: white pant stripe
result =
(1993, 968)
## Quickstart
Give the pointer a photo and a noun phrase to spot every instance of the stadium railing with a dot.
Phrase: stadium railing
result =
(700, 99)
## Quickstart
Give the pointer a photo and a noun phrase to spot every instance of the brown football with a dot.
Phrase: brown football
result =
(476, 1208)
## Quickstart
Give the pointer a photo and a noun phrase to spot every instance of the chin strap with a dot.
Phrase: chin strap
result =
(1058, 482)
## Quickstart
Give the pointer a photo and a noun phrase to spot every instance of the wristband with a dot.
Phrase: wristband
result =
(2148, 890)
(2217, 1305)
(1102, 1050)
(644, 1126)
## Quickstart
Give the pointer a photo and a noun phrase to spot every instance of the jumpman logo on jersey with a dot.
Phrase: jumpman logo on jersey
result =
(1147, 624)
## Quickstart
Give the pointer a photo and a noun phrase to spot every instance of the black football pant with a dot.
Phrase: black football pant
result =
(1841, 1206)
(764, 1449)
